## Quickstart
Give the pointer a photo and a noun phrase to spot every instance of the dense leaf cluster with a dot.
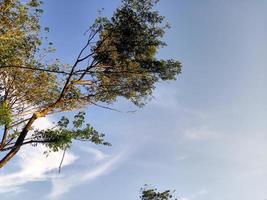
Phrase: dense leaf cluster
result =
(19, 45)
(61, 136)
(126, 53)
(5, 114)
(153, 194)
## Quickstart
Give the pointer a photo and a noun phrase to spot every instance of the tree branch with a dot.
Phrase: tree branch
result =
(35, 69)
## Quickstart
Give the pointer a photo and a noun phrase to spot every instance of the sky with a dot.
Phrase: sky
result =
(203, 135)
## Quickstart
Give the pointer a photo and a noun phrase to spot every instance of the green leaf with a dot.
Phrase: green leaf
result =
(63, 123)
(61, 137)
(5, 114)
(79, 119)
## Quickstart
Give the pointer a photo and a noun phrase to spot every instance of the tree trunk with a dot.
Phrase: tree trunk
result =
(9, 156)
(19, 141)
(25, 131)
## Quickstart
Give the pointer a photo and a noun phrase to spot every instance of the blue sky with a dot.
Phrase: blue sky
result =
(203, 135)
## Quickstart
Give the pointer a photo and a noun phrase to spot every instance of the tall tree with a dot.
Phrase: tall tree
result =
(118, 60)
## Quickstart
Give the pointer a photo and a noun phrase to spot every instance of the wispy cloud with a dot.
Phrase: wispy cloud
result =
(200, 134)
(33, 166)
(174, 103)
(195, 195)
(98, 155)
(166, 91)
(61, 185)
(43, 123)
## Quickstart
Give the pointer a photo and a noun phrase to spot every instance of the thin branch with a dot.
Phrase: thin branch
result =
(35, 69)
(19, 122)
(27, 142)
(61, 162)
(113, 109)
(3, 142)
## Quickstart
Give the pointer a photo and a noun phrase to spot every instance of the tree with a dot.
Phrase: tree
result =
(153, 194)
(121, 62)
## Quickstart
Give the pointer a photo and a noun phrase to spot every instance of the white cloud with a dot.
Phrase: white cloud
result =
(200, 134)
(183, 198)
(195, 195)
(64, 184)
(98, 155)
(198, 194)
(43, 123)
(33, 166)
(166, 91)
(181, 158)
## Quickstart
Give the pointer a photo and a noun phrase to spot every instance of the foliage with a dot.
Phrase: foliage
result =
(19, 44)
(119, 59)
(126, 53)
(153, 194)
(5, 114)
(60, 137)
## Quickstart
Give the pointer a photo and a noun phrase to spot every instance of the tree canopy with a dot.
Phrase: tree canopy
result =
(119, 59)
(154, 194)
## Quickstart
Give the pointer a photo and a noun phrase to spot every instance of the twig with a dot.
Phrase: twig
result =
(61, 162)
(113, 109)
